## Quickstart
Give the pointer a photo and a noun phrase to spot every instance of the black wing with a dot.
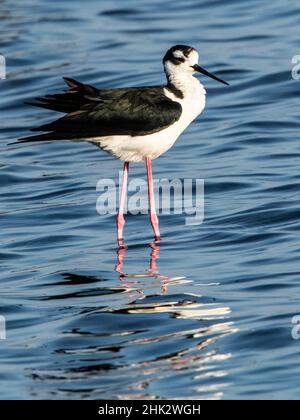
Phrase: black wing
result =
(95, 113)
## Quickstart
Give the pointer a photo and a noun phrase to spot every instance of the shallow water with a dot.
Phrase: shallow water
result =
(215, 321)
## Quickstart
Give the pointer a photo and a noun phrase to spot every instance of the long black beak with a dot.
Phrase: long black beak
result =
(207, 73)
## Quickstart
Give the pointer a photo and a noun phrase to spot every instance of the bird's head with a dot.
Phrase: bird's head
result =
(183, 60)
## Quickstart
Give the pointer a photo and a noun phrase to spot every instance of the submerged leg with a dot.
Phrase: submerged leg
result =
(120, 217)
(153, 215)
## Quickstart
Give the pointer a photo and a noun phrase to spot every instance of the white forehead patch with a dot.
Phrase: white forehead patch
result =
(178, 54)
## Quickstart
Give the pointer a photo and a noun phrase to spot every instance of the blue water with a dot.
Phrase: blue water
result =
(218, 323)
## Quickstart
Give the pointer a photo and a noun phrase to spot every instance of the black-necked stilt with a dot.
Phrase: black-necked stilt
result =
(133, 124)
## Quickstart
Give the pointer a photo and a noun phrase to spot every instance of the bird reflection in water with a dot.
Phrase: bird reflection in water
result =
(152, 271)
(140, 334)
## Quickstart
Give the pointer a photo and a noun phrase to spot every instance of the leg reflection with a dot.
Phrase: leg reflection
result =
(152, 270)
(121, 256)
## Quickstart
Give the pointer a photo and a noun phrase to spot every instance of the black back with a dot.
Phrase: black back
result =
(92, 112)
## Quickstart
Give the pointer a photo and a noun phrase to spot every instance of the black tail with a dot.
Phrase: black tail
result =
(47, 137)
(68, 102)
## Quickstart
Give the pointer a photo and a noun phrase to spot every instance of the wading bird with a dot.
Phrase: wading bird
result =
(133, 124)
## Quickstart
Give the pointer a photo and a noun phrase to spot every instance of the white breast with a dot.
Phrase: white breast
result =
(135, 149)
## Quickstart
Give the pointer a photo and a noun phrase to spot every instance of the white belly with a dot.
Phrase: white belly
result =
(135, 149)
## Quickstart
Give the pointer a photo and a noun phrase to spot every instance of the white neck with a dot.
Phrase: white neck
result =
(184, 81)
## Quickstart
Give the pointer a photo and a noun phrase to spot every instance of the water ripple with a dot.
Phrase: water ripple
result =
(207, 312)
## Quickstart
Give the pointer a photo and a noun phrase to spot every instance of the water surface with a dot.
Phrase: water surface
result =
(214, 319)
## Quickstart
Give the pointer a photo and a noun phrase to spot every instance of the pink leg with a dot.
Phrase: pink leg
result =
(120, 217)
(153, 215)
